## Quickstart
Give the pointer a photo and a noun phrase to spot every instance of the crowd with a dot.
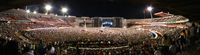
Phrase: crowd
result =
(116, 36)
(57, 38)
(169, 18)
(28, 20)
(173, 20)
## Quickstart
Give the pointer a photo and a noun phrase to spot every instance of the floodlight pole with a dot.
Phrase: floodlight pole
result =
(47, 12)
(48, 8)
(151, 16)
(150, 11)
(26, 12)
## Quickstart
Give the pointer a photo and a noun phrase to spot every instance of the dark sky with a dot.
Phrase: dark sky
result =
(119, 8)
(105, 8)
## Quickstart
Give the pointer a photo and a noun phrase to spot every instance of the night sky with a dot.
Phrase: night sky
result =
(108, 8)
(117, 8)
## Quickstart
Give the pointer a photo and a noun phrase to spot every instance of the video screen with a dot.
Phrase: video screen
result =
(107, 22)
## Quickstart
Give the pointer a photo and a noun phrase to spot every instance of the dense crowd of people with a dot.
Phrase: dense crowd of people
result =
(58, 38)
(169, 18)
(28, 20)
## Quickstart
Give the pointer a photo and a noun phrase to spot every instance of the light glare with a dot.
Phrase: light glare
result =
(64, 10)
(149, 8)
(34, 12)
(28, 11)
(48, 7)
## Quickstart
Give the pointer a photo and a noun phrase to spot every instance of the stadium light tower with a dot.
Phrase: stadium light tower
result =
(150, 10)
(48, 8)
(34, 12)
(64, 10)
(28, 11)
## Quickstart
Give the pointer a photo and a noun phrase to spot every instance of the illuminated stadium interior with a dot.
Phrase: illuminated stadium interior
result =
(42, 31)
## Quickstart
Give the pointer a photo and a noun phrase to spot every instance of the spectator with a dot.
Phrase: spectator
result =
(31, 52)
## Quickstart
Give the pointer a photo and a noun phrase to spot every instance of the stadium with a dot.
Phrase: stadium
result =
(22, 32)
